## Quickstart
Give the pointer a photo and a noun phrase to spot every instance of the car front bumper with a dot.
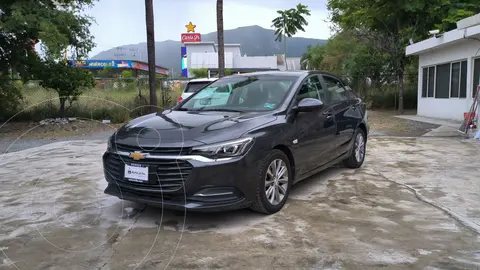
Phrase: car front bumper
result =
(201, 184)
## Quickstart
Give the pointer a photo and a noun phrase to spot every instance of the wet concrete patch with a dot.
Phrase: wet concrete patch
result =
(340, 219)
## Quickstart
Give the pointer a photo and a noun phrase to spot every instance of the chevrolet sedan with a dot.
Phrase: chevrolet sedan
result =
(240, 142)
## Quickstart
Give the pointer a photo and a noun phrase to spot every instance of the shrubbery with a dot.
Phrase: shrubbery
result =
(116, 104)
(388, 98)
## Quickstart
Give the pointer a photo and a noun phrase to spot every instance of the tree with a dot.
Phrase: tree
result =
(55, 25)
(221, 43)
(388, 25)
(289, 22)
(68, 82)
(151, 54)
(106, 72)
(349, 57)
(313, 57)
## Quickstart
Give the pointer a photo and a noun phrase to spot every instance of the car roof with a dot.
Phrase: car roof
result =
(294, 73)
(290, 73)
(203, 80)
(298, 73)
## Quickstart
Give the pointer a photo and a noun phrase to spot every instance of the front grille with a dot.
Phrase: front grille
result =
(153, 150)
(164, 174)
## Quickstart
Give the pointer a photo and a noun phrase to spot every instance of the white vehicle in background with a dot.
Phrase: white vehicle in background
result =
(193, 86)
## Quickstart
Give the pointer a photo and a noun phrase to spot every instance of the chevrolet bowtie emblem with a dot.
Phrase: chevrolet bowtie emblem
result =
(137, 155)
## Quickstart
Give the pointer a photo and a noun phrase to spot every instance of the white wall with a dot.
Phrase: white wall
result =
(255, 62)
(235, 50)
(294, 63)
(452, 108)
(209, 60)
(197, 48)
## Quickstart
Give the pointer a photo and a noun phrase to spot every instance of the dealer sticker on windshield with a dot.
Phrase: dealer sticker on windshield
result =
(269, 106)
(136, 173)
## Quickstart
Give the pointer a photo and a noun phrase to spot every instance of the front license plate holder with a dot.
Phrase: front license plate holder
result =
(136, 173)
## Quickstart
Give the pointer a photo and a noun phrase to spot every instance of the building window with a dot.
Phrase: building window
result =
(455, 80)
(458, 79)
(463, 79)
(431, 82)
(442, 81)
(476, 75)
(424, 82)
(446, 80)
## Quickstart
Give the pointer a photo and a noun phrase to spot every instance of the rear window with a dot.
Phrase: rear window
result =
(193, 87)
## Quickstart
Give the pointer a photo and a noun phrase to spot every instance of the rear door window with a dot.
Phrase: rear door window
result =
(193, 87)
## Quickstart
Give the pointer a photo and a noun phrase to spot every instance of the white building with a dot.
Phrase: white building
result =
(205, 55)
(449, 70)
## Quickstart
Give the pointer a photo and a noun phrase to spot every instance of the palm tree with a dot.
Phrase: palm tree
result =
(221, 44)
(151, 54)
(289, 22)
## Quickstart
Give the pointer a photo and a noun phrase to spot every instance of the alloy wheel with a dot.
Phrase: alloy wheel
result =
(276, 181)
(359, 148)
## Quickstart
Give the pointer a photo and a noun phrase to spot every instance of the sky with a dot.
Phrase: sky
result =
(122, 22)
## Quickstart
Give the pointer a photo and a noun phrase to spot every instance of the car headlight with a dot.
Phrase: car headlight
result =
(225, 149)
(109, 144)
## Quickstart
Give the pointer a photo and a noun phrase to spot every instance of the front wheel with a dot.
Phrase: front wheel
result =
(273, 184)
(358, 151)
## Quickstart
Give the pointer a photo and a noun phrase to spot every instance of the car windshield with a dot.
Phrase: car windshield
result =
(241, 93)
(193, 87)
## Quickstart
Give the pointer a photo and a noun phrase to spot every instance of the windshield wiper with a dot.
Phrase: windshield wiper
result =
(182, 109)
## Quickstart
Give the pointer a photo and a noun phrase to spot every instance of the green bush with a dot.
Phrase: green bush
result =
(199, 72)
(388, 97)
(10, 99)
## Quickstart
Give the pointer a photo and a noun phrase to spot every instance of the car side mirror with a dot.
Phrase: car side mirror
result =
(308, 105)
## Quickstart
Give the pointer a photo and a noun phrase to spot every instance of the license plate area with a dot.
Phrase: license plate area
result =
(136, 173)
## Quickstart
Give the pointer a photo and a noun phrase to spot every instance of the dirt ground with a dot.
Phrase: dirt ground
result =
(384, 122)
(33, 130)
(396, 212)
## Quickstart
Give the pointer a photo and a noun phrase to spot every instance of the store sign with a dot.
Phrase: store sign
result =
(103, 63)
(191, 36)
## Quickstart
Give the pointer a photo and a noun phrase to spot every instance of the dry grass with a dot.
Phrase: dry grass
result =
(94, 105)
(117, 105)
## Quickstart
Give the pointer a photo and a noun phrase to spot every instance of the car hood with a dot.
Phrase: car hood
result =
(189, 128)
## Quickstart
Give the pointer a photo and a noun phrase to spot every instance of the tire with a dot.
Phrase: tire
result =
(262, 204)
(356, 159)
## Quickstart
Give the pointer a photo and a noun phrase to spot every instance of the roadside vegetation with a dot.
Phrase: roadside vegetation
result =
(368, 47)
(115, 99)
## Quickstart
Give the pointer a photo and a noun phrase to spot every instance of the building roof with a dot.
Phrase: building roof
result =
(468, 28)
(200, 43)
(230, 45)
(147, 64)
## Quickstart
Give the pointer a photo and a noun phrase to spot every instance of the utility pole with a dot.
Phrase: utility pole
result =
(221, 43)
(151, 54)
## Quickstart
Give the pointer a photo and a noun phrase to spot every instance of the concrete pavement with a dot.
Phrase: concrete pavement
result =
(412, 206)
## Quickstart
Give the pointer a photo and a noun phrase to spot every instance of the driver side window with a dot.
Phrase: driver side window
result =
(311, 88)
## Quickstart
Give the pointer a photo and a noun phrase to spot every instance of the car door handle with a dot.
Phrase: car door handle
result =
(329, 114)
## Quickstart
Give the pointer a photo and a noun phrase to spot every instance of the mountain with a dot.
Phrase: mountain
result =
(254, 40)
